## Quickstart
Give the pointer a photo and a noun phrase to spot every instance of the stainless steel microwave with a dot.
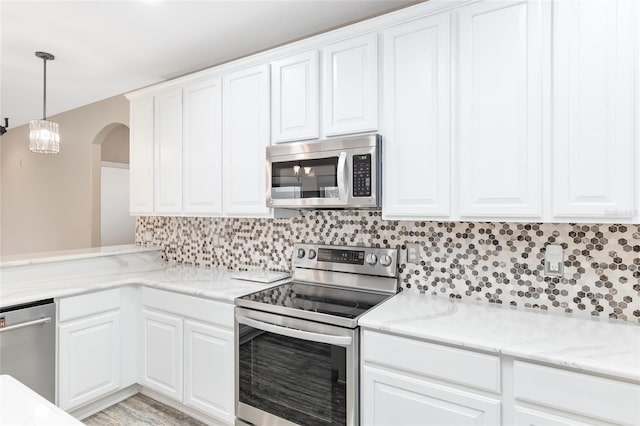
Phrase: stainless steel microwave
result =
(331, 173)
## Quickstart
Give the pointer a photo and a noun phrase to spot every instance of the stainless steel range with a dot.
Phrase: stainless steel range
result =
(297, 344)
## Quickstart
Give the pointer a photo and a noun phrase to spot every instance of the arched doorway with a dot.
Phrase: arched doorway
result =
(116, 225)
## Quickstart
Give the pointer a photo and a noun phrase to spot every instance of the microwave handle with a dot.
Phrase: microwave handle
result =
(342, 176)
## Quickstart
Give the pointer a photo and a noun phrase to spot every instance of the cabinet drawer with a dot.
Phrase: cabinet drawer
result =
(442, 362)
(88, 304)
(579, 393)
(189, 306)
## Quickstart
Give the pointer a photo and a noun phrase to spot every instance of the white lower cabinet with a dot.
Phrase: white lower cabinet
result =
(392, 398)
(407, 381)
(89, 338)
(208, 380)
(162, 353)
(410, 382)
(89, 365)
(188, 351)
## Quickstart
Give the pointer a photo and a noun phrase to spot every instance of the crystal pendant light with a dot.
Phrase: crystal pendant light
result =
(44, 135)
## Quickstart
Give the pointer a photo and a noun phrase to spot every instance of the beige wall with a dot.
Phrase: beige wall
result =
(115, 147)
(52, 202)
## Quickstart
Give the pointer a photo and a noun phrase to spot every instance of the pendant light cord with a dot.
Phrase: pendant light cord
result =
(44, 92)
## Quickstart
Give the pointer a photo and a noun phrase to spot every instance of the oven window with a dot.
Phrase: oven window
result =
(305, 179)
(298, 380)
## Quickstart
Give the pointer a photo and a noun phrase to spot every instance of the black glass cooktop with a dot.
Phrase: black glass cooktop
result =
(330, 301)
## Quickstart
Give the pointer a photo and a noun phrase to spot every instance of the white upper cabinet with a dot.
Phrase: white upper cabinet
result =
(594, 42)
(499, 102)
(416, 119)
(350, 86)
(141, 156)
(245, 138)
(168, 152)
(202, 147)
(295, 98)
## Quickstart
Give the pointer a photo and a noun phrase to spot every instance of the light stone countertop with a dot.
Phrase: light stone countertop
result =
(61, 278)
(595, 345)
(73, 254)
(19, 405)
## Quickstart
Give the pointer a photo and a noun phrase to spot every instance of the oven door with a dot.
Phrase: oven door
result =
(291, 371)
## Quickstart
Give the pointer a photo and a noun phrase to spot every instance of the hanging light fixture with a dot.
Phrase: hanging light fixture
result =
(44, 136)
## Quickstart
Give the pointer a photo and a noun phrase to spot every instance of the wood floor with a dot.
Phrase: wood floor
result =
(141, 410)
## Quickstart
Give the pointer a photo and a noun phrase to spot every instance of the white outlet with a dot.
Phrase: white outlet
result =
(148, 236)
(553, 260)
(216, 240)
(413, 253)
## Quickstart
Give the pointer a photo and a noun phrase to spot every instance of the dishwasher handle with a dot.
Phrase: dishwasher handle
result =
(25, 324)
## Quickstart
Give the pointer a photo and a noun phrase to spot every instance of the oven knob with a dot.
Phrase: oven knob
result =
(385, 260)
(300, 253)
(312, 254)
(371, 259)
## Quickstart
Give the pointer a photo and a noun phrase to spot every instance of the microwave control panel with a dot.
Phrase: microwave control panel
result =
(362, 175)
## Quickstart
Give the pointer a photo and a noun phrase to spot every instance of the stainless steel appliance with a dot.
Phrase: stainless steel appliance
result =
(28, 345)
(297, 344)
(331, 173)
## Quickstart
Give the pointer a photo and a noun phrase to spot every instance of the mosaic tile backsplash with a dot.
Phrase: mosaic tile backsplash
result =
(491, 261)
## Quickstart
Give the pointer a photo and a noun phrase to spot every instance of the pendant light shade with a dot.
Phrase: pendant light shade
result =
(44, 135)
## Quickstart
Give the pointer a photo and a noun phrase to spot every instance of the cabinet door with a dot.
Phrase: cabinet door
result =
(245, 138)
(202, 147)
(533, 417)
(162, 353)
(141, 157)
(416, 119)
(294, 98)
(89, 363)
(500, 103)
(393, 399)
(350, 86)
(593, 80)
(168, 152)
(208, 370)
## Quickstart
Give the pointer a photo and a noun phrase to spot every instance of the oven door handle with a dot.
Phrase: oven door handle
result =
(295, 333)
(342, 176)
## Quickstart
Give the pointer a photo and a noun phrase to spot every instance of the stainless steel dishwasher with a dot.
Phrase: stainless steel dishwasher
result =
(28, 345)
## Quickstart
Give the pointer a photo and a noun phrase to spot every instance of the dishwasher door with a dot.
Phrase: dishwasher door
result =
(28, 345)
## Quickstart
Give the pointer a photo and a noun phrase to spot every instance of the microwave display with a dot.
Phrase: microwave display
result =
(362, 175)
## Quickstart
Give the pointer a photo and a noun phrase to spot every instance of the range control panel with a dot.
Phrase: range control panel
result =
(359, 260)
(362, 175)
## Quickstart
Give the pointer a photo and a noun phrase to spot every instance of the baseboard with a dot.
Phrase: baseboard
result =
(105, 402)
(181, 407)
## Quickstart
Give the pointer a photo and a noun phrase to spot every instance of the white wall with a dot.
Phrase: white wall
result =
(117, 225)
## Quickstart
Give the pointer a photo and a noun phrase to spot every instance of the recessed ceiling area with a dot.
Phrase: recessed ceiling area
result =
(104, 48)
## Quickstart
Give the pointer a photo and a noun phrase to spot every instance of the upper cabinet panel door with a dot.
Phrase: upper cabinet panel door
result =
(350, 86)
(594, 42)
(141, 157)
(202, 147)
(295, 102)
(500, 109)
(416, 119)
(245, 138)
(168, 152)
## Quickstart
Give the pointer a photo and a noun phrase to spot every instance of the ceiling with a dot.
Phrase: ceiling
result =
(105, 48)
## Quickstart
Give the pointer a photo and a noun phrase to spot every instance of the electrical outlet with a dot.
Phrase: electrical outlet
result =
(413, 253)
(148, 236)
(215, 239)
(553, 260)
